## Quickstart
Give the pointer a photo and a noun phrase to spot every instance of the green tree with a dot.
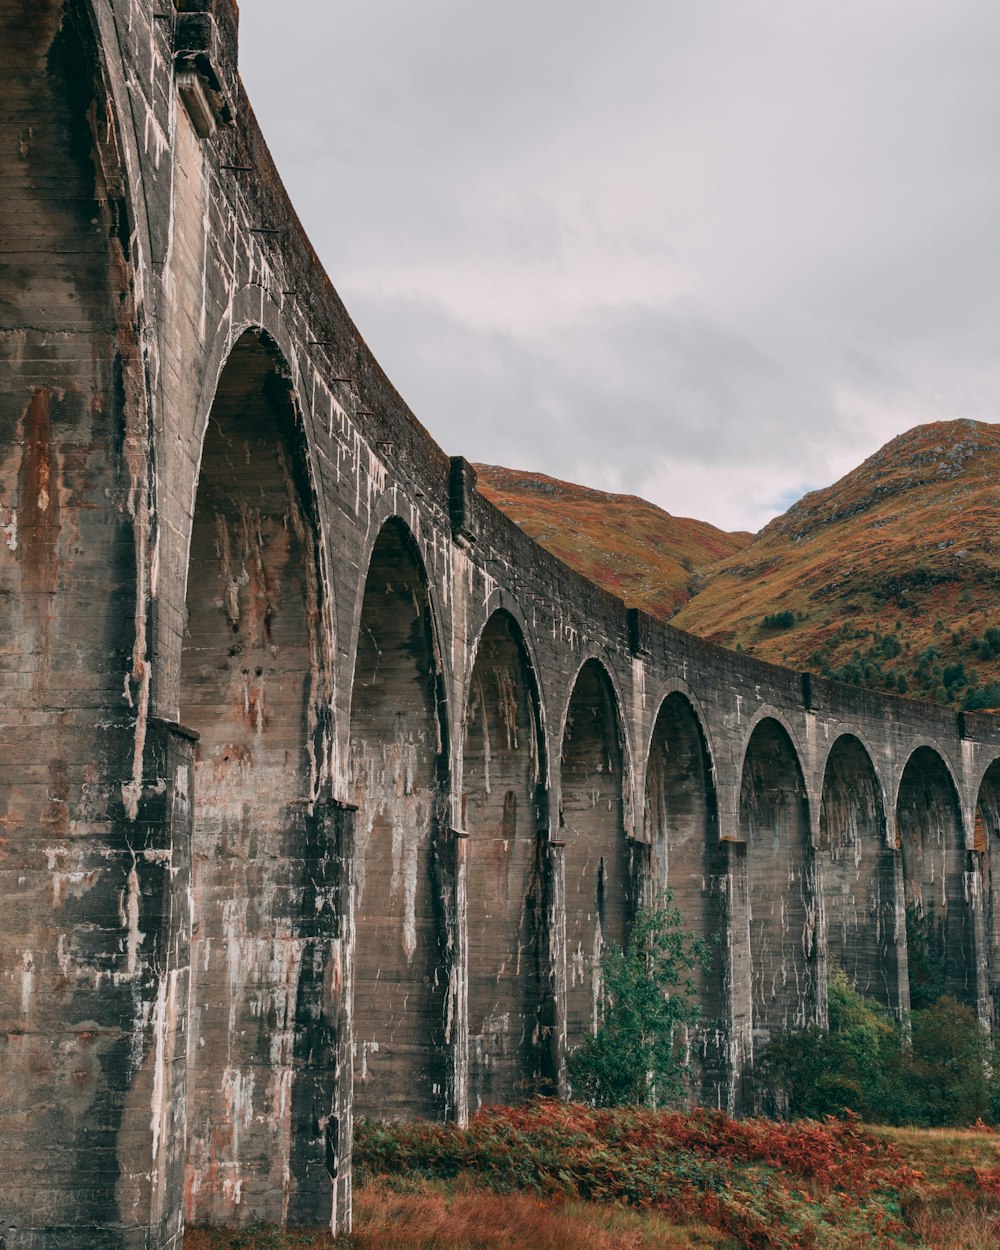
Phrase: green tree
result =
(937, 1072)
(816, 1072)
(944, 1076)
(648, 993)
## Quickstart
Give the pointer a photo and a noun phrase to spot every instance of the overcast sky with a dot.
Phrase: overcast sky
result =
(712, 252)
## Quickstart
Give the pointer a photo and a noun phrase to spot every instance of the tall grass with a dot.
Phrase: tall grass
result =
(439, 1217)
(555, 1177)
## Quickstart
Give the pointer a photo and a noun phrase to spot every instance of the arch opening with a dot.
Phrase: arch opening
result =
(398, 763)
(599, 892)
(504, 811)
(987, 856)
(938, 920)
(859, 874)
(774, 821)
(255, 686)
(687, 859)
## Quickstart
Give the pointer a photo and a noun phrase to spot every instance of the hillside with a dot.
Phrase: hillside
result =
(887, 579)
(634, 549)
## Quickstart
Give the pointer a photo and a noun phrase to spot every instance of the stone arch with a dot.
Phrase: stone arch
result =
(385, 513)
(681, 822)
(598, 877)
(501, 600)
(593, 653)
(255, 685)
(398, 776)
(252, 310)
(768, 712)
(774, 823)
(252, 313)
(858, 870)
(986, 850)
(929, 835)
(504, 809)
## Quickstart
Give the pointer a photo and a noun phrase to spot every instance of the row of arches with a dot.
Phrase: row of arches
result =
(485, 913)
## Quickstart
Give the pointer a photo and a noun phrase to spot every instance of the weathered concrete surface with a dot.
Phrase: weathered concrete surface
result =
(688, 859)
(504, 812)
(322, 785)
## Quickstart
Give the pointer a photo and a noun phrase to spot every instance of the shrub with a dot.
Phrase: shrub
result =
(938, 1073)
(648, 990)
(954, 674)
(944, 1076)
(981, 697)
(778, 620)
(987, 647)
(816, 1072)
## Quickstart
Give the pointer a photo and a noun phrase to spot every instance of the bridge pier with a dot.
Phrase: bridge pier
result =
(738, 966)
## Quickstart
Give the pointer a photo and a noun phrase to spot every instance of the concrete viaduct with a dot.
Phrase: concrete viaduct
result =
(321, 785)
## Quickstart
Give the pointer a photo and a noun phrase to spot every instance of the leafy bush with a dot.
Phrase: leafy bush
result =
(944, 1076)
(989, 646)
(817, 1072)
(954, 674)
(938, 1073)
(648, 991)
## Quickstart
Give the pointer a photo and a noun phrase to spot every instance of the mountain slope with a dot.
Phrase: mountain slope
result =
(888, 578)
(632, 548)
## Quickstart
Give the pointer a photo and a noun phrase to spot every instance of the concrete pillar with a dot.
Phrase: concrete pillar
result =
(452, 856)
(341, 821)
(737, 967)
(821, 946)
(898, 901)
(556, 910)
(976, 902)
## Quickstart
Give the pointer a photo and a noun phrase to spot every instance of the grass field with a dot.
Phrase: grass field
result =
(558, 1177)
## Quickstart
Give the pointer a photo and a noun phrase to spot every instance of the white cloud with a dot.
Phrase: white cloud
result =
(737, 243)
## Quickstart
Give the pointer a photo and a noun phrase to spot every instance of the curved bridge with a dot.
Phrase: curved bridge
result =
(322, 785)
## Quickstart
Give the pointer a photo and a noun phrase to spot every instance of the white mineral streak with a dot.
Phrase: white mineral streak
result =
(237, 1096)
(507, 705)
(483, 714)
(577, 965)
(386, 791)
(9, 527)
(159, 1042)
(596, 979)
(131, 921)
(533, 753)
(27, 981)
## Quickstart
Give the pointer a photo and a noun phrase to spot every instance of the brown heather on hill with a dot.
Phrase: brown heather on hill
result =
(888, 578)
(629, 546)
